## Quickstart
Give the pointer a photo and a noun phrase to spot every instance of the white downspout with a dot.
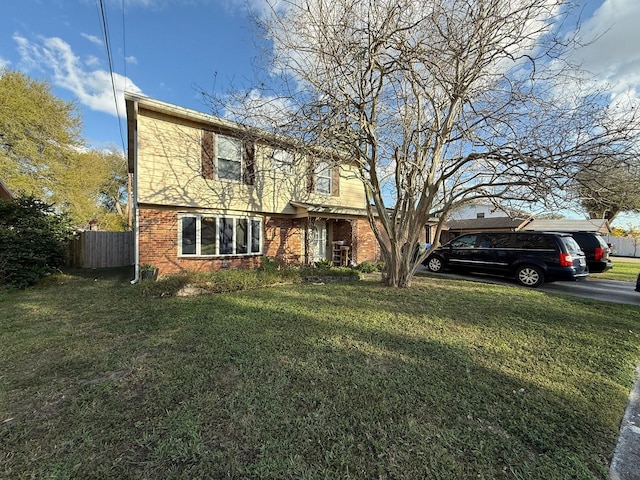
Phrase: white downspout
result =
(134, 203)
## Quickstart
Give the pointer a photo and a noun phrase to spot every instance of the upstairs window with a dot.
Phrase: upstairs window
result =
(323, 178)
(229, 158)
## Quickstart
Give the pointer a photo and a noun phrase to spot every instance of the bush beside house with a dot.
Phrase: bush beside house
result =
(32, 241)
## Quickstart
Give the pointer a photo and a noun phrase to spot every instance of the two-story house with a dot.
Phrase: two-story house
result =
(209, 194)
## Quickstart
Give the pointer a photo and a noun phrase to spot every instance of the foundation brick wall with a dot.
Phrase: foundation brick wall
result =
(158, 244)
(284, 240)
(364, 244)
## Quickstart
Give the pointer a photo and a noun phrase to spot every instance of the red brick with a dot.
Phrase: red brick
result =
(283, 241)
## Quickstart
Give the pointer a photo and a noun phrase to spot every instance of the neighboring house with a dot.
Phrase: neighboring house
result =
(210, 194)
(481, 215)
(570, 225)
(458, 227)
(476, 209)
(5, 192)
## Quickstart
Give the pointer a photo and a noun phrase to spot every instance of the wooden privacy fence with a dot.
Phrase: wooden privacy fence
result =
(92, 249)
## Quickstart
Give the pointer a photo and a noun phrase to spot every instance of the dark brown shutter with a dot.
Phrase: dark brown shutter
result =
(311, 175)
(249, 153)
(335, 181)
(208, 155)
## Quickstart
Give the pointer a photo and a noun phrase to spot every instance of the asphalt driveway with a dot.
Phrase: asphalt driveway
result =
(604, 290)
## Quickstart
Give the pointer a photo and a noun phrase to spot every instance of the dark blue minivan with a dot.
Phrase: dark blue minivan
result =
(529, 257)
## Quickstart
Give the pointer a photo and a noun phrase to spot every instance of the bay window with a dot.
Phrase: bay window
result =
(207, 235)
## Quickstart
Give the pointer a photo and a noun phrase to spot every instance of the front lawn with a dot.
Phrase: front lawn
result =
(447, 380)
(623, 269)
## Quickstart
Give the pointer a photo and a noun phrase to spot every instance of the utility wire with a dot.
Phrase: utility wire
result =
(102, 13)
(107, 44)
(124, 48)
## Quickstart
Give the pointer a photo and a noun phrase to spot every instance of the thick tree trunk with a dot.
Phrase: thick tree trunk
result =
(394, 278)
(398, 272)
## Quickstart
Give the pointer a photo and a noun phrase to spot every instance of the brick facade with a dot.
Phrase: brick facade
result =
(158, 246)
(283, 241)
(364, 244)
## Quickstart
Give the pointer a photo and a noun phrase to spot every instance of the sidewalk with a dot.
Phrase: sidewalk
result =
(625, 464)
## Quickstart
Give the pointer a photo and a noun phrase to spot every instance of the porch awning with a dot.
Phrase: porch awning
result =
(328, 211)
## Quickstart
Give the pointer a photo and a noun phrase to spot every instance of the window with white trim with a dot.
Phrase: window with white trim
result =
(229, 158)
(207, 235)
(323, 178)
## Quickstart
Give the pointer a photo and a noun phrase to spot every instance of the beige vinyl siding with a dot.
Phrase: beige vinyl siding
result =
(169, 172)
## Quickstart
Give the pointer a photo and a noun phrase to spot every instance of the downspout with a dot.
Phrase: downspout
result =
(133, 132)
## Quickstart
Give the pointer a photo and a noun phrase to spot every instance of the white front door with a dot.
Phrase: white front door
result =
(320, 240)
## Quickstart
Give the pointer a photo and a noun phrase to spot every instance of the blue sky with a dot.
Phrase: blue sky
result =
(169, 49)
(163, 49)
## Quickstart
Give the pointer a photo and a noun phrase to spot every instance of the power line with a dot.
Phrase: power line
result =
(105, 30)
(124, 48)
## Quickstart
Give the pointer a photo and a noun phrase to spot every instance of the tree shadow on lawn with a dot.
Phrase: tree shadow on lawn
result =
(254, 384)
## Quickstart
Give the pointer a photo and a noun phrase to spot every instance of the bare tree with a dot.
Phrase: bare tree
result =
(438, 102)
(609, 186)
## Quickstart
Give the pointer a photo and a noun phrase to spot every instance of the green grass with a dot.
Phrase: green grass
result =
(446, 380)
(624, 270)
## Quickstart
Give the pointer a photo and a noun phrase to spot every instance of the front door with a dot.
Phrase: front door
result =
(320, 240)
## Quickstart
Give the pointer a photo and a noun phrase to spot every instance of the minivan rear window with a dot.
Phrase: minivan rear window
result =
(571, 244)
(536, 241)
(601, 241)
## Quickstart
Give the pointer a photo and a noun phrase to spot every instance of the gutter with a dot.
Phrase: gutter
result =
(132, 132)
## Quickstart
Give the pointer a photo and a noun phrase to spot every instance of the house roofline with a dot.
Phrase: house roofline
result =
(181, 112)
(135, 101)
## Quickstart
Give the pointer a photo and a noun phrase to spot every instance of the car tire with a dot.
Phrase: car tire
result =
(434, 264)
(530, 276)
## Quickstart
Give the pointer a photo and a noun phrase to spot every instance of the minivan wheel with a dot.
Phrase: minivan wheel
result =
(530, 276)
(434, 264)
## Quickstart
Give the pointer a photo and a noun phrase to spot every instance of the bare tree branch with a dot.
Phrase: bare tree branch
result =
(437, 103)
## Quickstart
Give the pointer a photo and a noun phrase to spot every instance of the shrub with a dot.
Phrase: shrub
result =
(323, 264)
(367, 267)
(33, 241)
(268, 265)
(328, 272)
(370, 267)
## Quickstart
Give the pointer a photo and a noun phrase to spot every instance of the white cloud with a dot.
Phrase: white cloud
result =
(131, 59)
(92, 38)
(92, 87)
(4, 63)
(258, 110)
(613, 57)
(92, 60)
